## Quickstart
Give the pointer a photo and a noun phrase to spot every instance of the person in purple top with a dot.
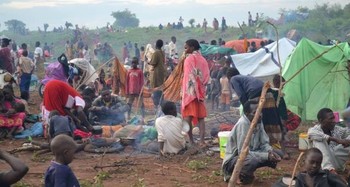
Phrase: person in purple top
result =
(59, 174)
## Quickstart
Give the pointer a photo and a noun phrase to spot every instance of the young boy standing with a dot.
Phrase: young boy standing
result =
(25, 68)
(59, 174)
(134, 84)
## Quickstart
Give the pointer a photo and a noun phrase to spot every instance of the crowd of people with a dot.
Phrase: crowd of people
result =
(179, 25)
(67, 108)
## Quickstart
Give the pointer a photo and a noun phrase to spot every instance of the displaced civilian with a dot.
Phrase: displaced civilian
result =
(108, 109)
(59, 173)
(332, 140)
(314, 175)
(134, 84)
(169, 128)
(17, 172)
(260, 153)
(195, 79)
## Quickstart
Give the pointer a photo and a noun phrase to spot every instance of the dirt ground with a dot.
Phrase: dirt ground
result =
(131, 168)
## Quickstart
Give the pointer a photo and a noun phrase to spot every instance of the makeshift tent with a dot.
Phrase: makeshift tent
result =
(323, 83)
(238, 45)
(264, 62)
(89, 74)
(213, 53)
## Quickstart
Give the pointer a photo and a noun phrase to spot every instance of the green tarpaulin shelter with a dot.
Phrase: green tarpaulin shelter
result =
(323, 83)
(208, 50)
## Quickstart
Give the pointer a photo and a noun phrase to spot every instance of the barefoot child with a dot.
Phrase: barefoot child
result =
(225, 97)
(59, 174)
(134, 84)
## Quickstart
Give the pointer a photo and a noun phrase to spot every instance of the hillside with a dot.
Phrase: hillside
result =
(324, 22)
(142, 36)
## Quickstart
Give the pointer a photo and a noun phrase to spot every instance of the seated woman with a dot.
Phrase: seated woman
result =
(12, 113)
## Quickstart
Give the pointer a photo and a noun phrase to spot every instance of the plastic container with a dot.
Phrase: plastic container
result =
(303, 142)
(336, 117)
(223, 137)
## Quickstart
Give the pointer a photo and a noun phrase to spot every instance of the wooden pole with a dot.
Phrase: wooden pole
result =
(279, 63)
(295, 168)
(245, 147)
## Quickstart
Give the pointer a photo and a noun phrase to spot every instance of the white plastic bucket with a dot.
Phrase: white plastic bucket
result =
(223, 137)
(303, 142)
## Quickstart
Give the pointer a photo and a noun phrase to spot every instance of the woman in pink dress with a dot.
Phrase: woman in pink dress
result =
(195, 78)
(12, 113)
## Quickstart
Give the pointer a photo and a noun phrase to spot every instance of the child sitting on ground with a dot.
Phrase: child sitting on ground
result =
(59, 173)
(314, 176)
(60, 125)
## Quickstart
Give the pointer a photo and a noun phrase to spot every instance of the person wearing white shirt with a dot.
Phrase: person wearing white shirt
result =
(38, 52)
(86, 53)
(172, 46)
(170, 129)
(167, 50)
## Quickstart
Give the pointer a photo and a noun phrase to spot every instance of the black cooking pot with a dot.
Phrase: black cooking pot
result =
(97, 130)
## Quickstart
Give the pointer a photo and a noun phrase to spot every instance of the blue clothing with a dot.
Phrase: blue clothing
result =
(246, 87)
(322, 179)
(24, 85)
(59, 175)
(137, 53)
(61, 125)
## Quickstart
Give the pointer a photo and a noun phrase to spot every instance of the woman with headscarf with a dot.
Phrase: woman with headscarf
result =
(195, 78)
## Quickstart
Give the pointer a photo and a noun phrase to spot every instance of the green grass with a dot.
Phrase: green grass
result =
(142, 36)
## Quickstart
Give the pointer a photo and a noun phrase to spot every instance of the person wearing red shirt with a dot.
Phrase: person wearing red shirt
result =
(58, 95)
(134, 84)
(5, 56)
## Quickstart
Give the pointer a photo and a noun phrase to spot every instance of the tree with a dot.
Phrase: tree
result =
(16, 26)
(191, 22)
(67, 24)
(46, 26)
(125, 19)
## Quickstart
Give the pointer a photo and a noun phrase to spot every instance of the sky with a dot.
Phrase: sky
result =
(96, 13)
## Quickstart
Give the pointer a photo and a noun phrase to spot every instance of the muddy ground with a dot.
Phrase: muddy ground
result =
(131, 168)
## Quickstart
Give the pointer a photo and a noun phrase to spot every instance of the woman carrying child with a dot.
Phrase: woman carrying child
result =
(12, 113)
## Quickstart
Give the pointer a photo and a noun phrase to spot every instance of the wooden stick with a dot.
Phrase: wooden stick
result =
(31, 148)
(244, 36)
(295, 168)
(279, 63)
(245, 147)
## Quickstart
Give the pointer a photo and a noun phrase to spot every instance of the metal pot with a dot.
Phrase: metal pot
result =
(127, 141)
(97, 130)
